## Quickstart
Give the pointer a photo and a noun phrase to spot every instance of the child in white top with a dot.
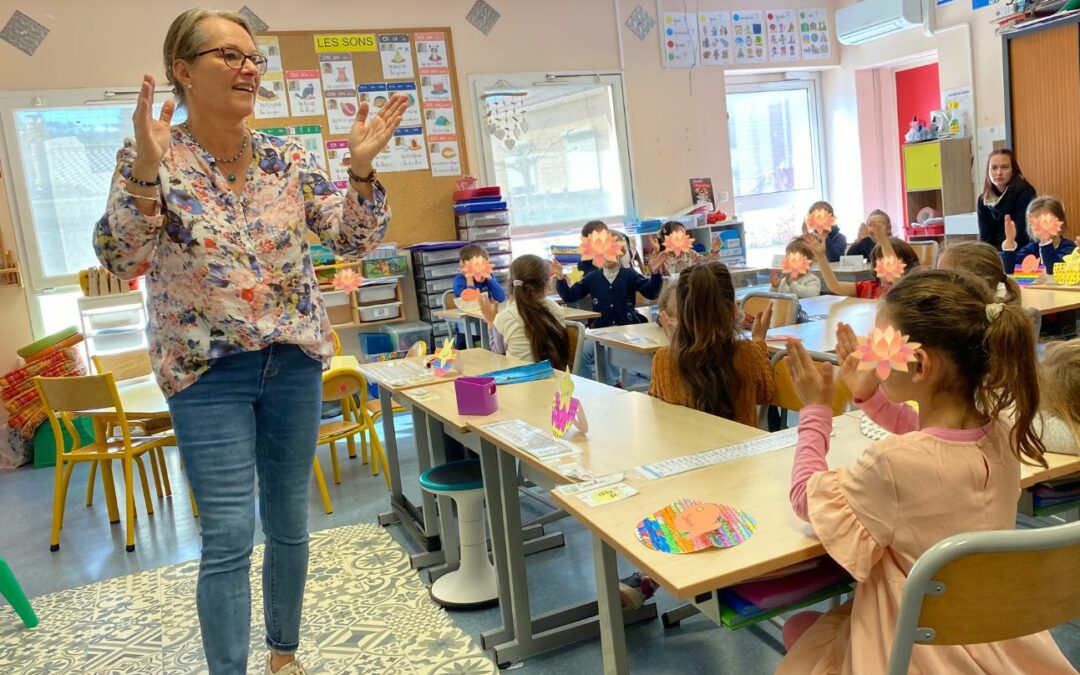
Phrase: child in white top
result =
(531, 328)
(1059, 388)
(806, 285)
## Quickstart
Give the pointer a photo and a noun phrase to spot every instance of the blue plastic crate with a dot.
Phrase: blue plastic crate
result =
(375, 343)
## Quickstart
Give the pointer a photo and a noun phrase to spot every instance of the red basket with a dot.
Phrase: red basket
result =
(465, 183)
(924, 230)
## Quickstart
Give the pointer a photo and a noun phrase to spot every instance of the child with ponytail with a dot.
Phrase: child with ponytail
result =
(531, 328)
(982, 260)
(953, 466)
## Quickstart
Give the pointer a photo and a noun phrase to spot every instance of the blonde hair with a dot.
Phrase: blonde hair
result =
(1059, 383)
(186, 36)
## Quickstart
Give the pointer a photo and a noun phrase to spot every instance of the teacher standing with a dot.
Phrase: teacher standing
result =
(1006, 194)
(215, 215)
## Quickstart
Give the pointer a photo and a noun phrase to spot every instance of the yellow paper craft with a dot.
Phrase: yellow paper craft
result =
(889, 269)
(444, 360)
(575, 276)
(1067, 272)
(885, 351)
(795, 264)
(820, 221)
(600, 247)
(478, 268)
(347, 280)
(678, 243)
(567, 411)
(1045, 226)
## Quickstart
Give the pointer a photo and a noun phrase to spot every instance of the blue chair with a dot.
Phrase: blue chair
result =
(473, 583)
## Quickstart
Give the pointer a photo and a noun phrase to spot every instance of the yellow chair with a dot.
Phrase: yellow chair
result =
(784, 395)
(63, 397)
(125, 366)
(345, 385)
(785, 306)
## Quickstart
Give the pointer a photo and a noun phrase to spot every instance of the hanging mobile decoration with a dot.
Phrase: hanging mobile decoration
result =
(504, 118)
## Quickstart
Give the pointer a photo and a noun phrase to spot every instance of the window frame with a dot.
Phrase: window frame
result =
(485, 162)
(37, 283)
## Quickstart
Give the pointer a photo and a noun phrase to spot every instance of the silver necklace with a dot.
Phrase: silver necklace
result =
(231, 176)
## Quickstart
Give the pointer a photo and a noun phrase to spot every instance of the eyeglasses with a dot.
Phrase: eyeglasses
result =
(234, 58)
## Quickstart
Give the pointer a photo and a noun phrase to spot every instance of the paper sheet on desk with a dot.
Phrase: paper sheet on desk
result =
(631, 339)
(527, 438)
(756, 446)
(397, 373)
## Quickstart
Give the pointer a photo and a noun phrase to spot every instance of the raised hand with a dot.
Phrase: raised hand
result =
(813, 381)
(817, 246)
(489, 308)
(761, 324)
(367, 138)
(862, 383)
(1010, 231)
(658, 262)
(774, 278)
(556, 268)
(151, 135)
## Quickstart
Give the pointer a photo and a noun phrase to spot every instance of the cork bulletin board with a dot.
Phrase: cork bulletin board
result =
(312, 90)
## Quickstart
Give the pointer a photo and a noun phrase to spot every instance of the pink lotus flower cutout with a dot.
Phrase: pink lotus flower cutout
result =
(347, 280)
(600, 247)
(678, 243)
(885, 351)
(795, 264)
(889, 269)
(1045, 226)
(820, 221)
(478, 268)
(1029, 265)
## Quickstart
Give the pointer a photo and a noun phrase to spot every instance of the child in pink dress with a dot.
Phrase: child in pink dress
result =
(952, 467)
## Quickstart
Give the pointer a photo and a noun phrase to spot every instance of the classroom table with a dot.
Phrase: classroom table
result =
(630, 347)
(626, 429)
(420, 523)
(474, 316)
(1049, 300)
(842, 273)
(820, 335)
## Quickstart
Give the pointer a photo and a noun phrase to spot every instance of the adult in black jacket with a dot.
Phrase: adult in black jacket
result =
(1005, 193)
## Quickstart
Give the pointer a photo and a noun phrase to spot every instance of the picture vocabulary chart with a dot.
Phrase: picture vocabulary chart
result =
(337, 156)
(814, 31)
(431, 55)
(749, 31)
(714, 38)
(268, 45)
(304, 88)
(783, 35)
(396, 54)
(337, 71)
(270, 100)
(341, 108)
(445, 160)
(375, 95)
(408, 144)
(679, 36)
(411, 117)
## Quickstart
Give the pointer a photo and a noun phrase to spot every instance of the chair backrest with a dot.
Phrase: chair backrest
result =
(784, 395)
(337, 342)
(64, 396)
(124, 365)
(342, 383)
(927, 252)
(785, 306)
(449, 302)
(988, 586)
(575, 334)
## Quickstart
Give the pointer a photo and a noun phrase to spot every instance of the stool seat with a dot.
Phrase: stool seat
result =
(453, 477)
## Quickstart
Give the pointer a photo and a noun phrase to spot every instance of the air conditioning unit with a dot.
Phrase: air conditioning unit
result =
(874, 19)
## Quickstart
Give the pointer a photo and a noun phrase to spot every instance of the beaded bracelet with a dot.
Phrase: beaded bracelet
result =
(145, 198)
(370, 178)
(145, 183)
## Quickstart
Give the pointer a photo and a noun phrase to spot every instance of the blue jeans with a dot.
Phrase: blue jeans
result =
(255, 413)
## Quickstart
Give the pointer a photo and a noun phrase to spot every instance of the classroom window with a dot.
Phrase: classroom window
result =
(62, 151)
(775, 161)
(568, 160)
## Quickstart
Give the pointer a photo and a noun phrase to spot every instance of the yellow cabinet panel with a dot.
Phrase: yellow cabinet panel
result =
(922, 166)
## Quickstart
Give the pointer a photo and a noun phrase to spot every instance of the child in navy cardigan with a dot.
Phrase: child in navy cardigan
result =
(1049, 250)
(613, 289)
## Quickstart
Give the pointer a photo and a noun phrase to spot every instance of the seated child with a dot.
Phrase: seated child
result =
(587, 266)
(708, 366)
(613, 289)
(667, 309)
(807, 285)
(835, 241)
(983, 261)
(878, 221)
(490, 285)
(531, 327)
(870, 288)
(1048, 249)
(671, 264)
(1058, 423)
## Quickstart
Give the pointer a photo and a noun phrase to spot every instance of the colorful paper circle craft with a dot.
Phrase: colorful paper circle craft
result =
(690, 525)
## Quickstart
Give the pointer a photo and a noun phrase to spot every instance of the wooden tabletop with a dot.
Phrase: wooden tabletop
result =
(651, 336)
(820, 335)
(472, 362)
(1049, 300)
(626, 429)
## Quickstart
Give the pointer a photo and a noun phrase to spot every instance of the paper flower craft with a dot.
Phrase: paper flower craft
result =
(1045, 226)
(795, 264)
(886, 350)
(1029, 265)
(889, 269)
(574, 276)
(566, 410)
(689, 525)
(678, 243)
(444, 360)
(820, 221)
(470, 295)
(347, 280)
(600, 247)
(478, 268)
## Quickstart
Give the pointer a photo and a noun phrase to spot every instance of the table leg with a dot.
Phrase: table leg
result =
(413, 519)
(612, 631)
(601, 363)
(485, 335)
(489, 464)
(447, 531)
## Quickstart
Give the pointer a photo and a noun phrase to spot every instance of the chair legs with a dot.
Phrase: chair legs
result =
(129, 503)
(334, 463)
(13, 593)
(320, 480)
(160, 452)
(90, 475)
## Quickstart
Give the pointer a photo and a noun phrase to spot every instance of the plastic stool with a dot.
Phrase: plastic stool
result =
(473, 583)
(13, 593)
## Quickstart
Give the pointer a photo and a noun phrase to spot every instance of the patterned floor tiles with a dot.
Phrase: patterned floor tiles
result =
(365, 611)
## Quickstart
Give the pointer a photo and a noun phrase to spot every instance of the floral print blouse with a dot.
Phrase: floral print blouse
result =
(227, 274)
